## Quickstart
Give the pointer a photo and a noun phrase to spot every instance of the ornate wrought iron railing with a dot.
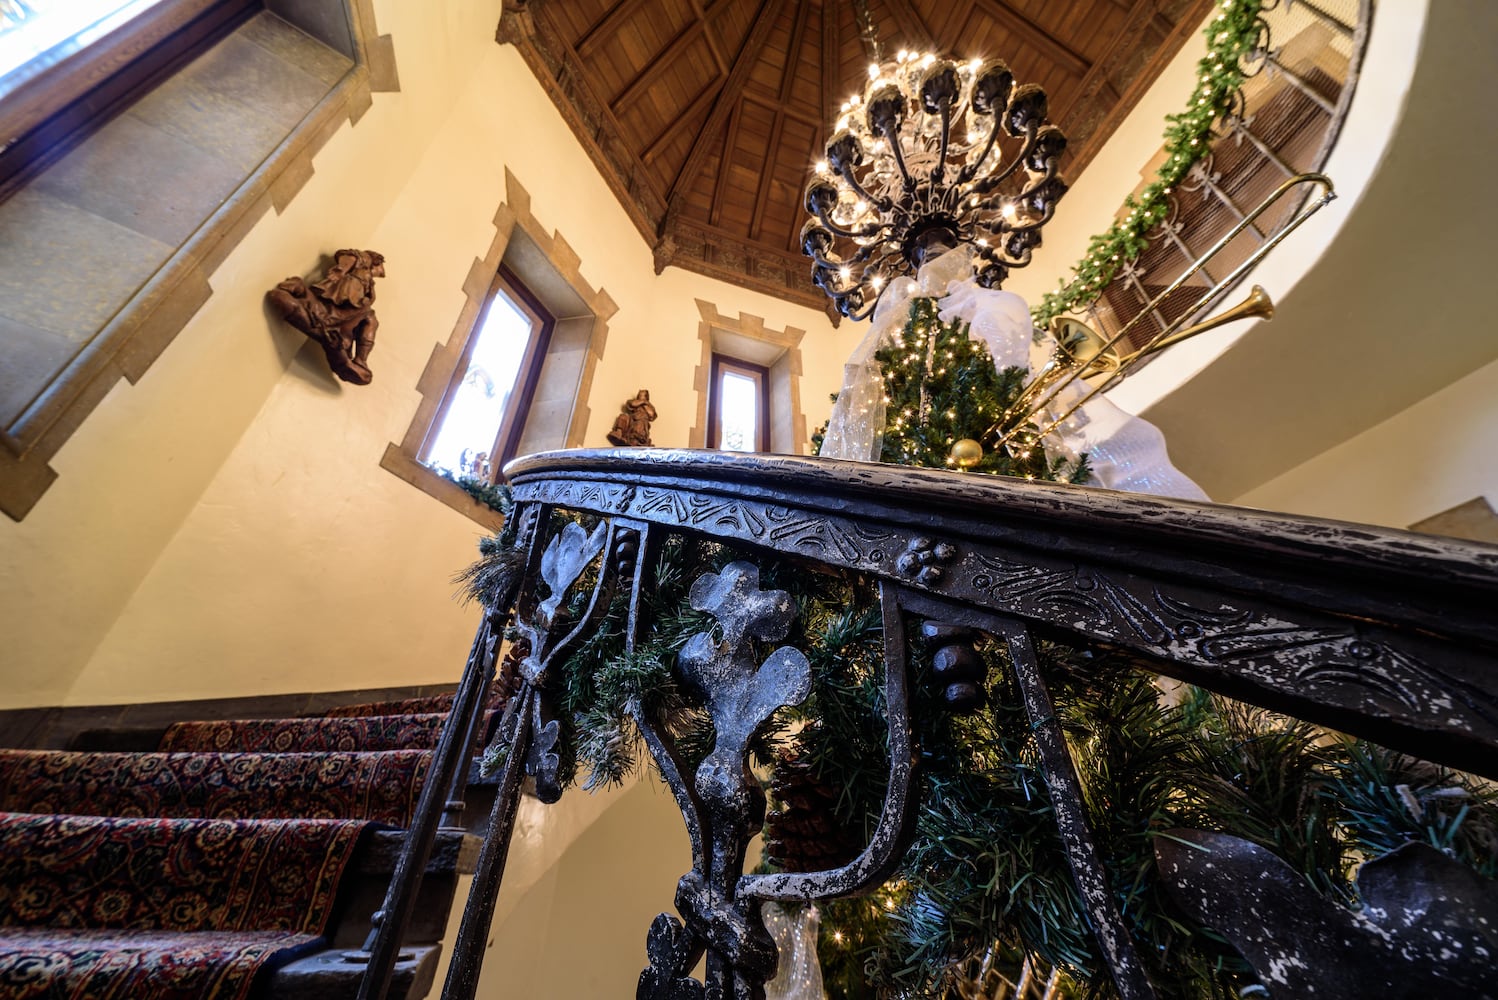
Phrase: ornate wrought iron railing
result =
(1377, 633)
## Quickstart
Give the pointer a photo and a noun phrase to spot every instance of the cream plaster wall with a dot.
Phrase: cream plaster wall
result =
(303, 565)
(132, 473)
(1427, 459)
(579, 931)
(1093, 200)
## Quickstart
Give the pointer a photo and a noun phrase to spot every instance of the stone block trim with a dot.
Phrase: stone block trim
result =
(513, 216)
(80, 353)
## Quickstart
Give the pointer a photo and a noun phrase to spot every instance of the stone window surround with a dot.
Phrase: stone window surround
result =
(777, 350)
(131, 341)
(554, 262)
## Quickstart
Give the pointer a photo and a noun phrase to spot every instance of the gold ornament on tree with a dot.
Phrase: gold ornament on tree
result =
(965, 453)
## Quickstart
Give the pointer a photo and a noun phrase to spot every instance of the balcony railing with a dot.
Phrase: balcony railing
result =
(1285, 122)
(1381, 634)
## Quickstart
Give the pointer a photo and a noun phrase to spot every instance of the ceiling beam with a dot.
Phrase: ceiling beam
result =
(793, 53)
(917, 35)
(830, 59)
(764, 19)
(777, 126)
(658, 144)
(605, 26)
(655, 67)
(766, 175)
(715, 211)
(1096, 77)
(704, 15)
(1005, 15)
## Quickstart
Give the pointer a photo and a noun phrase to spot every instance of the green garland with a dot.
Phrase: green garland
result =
(987, 868)
(1232, 37)
(495, 496)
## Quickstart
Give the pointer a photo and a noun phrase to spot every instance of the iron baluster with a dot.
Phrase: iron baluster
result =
(1071, 817)
(483, 895)
(388, 925)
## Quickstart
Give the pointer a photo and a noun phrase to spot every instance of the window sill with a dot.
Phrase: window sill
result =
(440, 488)
(142, 326)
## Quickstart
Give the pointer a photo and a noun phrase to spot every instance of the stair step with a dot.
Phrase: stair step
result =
(334, 974)
(454, 852)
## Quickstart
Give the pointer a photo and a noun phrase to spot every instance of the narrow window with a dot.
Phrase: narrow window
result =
(478, 425)
(31, 29)
(738, 410)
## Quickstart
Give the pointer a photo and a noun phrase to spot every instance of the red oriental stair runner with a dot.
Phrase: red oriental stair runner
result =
(191, 872)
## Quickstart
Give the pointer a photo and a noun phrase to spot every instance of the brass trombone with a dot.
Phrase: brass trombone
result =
(1084, 353)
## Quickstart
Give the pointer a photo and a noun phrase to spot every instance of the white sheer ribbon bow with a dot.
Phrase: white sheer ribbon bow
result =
(1124, 451)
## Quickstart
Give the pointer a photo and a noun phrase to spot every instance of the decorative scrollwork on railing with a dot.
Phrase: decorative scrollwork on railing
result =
(727, 800)
(1306, 617)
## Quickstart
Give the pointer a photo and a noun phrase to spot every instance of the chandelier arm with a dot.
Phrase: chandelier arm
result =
(898, 154)
(858, 258)
(1020, 261)
(987, 184)
(1042, 180)
(850, 234)
(1045, 217)
(970, 170)
(863, 313)
(939, 172)
(846, 173)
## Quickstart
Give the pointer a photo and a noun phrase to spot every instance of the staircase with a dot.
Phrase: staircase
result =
(221, 859)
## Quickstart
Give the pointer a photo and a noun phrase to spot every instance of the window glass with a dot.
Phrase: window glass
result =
(738, 415)
(738, 411)
(31, 28)
(468, 433)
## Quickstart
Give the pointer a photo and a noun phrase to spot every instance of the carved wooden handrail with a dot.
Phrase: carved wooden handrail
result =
(1381, 634)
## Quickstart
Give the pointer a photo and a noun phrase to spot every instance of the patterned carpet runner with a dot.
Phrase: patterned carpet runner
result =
(41, 964)
(190, 872)
(171, 874)
(380, 786)
(376, 732)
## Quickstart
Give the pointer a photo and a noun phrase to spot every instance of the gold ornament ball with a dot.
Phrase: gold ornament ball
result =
(966, 453)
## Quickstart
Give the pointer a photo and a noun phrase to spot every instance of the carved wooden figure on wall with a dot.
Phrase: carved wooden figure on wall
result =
(632, 425)
(338, 311)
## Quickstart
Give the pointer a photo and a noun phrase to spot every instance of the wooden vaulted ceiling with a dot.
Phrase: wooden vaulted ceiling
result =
(706, 116)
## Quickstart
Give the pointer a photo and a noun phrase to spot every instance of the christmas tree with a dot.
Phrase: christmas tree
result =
(941, 387)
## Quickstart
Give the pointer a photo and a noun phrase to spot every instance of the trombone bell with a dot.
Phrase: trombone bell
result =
(1089, 353)
(1258, 305)
(1080, 346)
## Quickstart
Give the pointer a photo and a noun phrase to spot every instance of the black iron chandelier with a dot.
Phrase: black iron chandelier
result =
(916, 166)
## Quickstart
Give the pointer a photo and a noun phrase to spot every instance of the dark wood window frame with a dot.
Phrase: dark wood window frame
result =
(544, 260)
(512, 423)
(51, 102)
(722, 363)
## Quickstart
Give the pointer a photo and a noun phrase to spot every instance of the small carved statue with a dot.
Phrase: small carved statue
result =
(338, 311)
(632, 425)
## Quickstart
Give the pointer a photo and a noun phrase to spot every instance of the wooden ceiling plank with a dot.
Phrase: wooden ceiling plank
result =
(1038, 36)
(917, 34)
(762, 193)
(793, 53)
(715, 213)
(666, 60)
(606, 25)
(830, 82)
(743, 62)
(703, 14)
(658, 144)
